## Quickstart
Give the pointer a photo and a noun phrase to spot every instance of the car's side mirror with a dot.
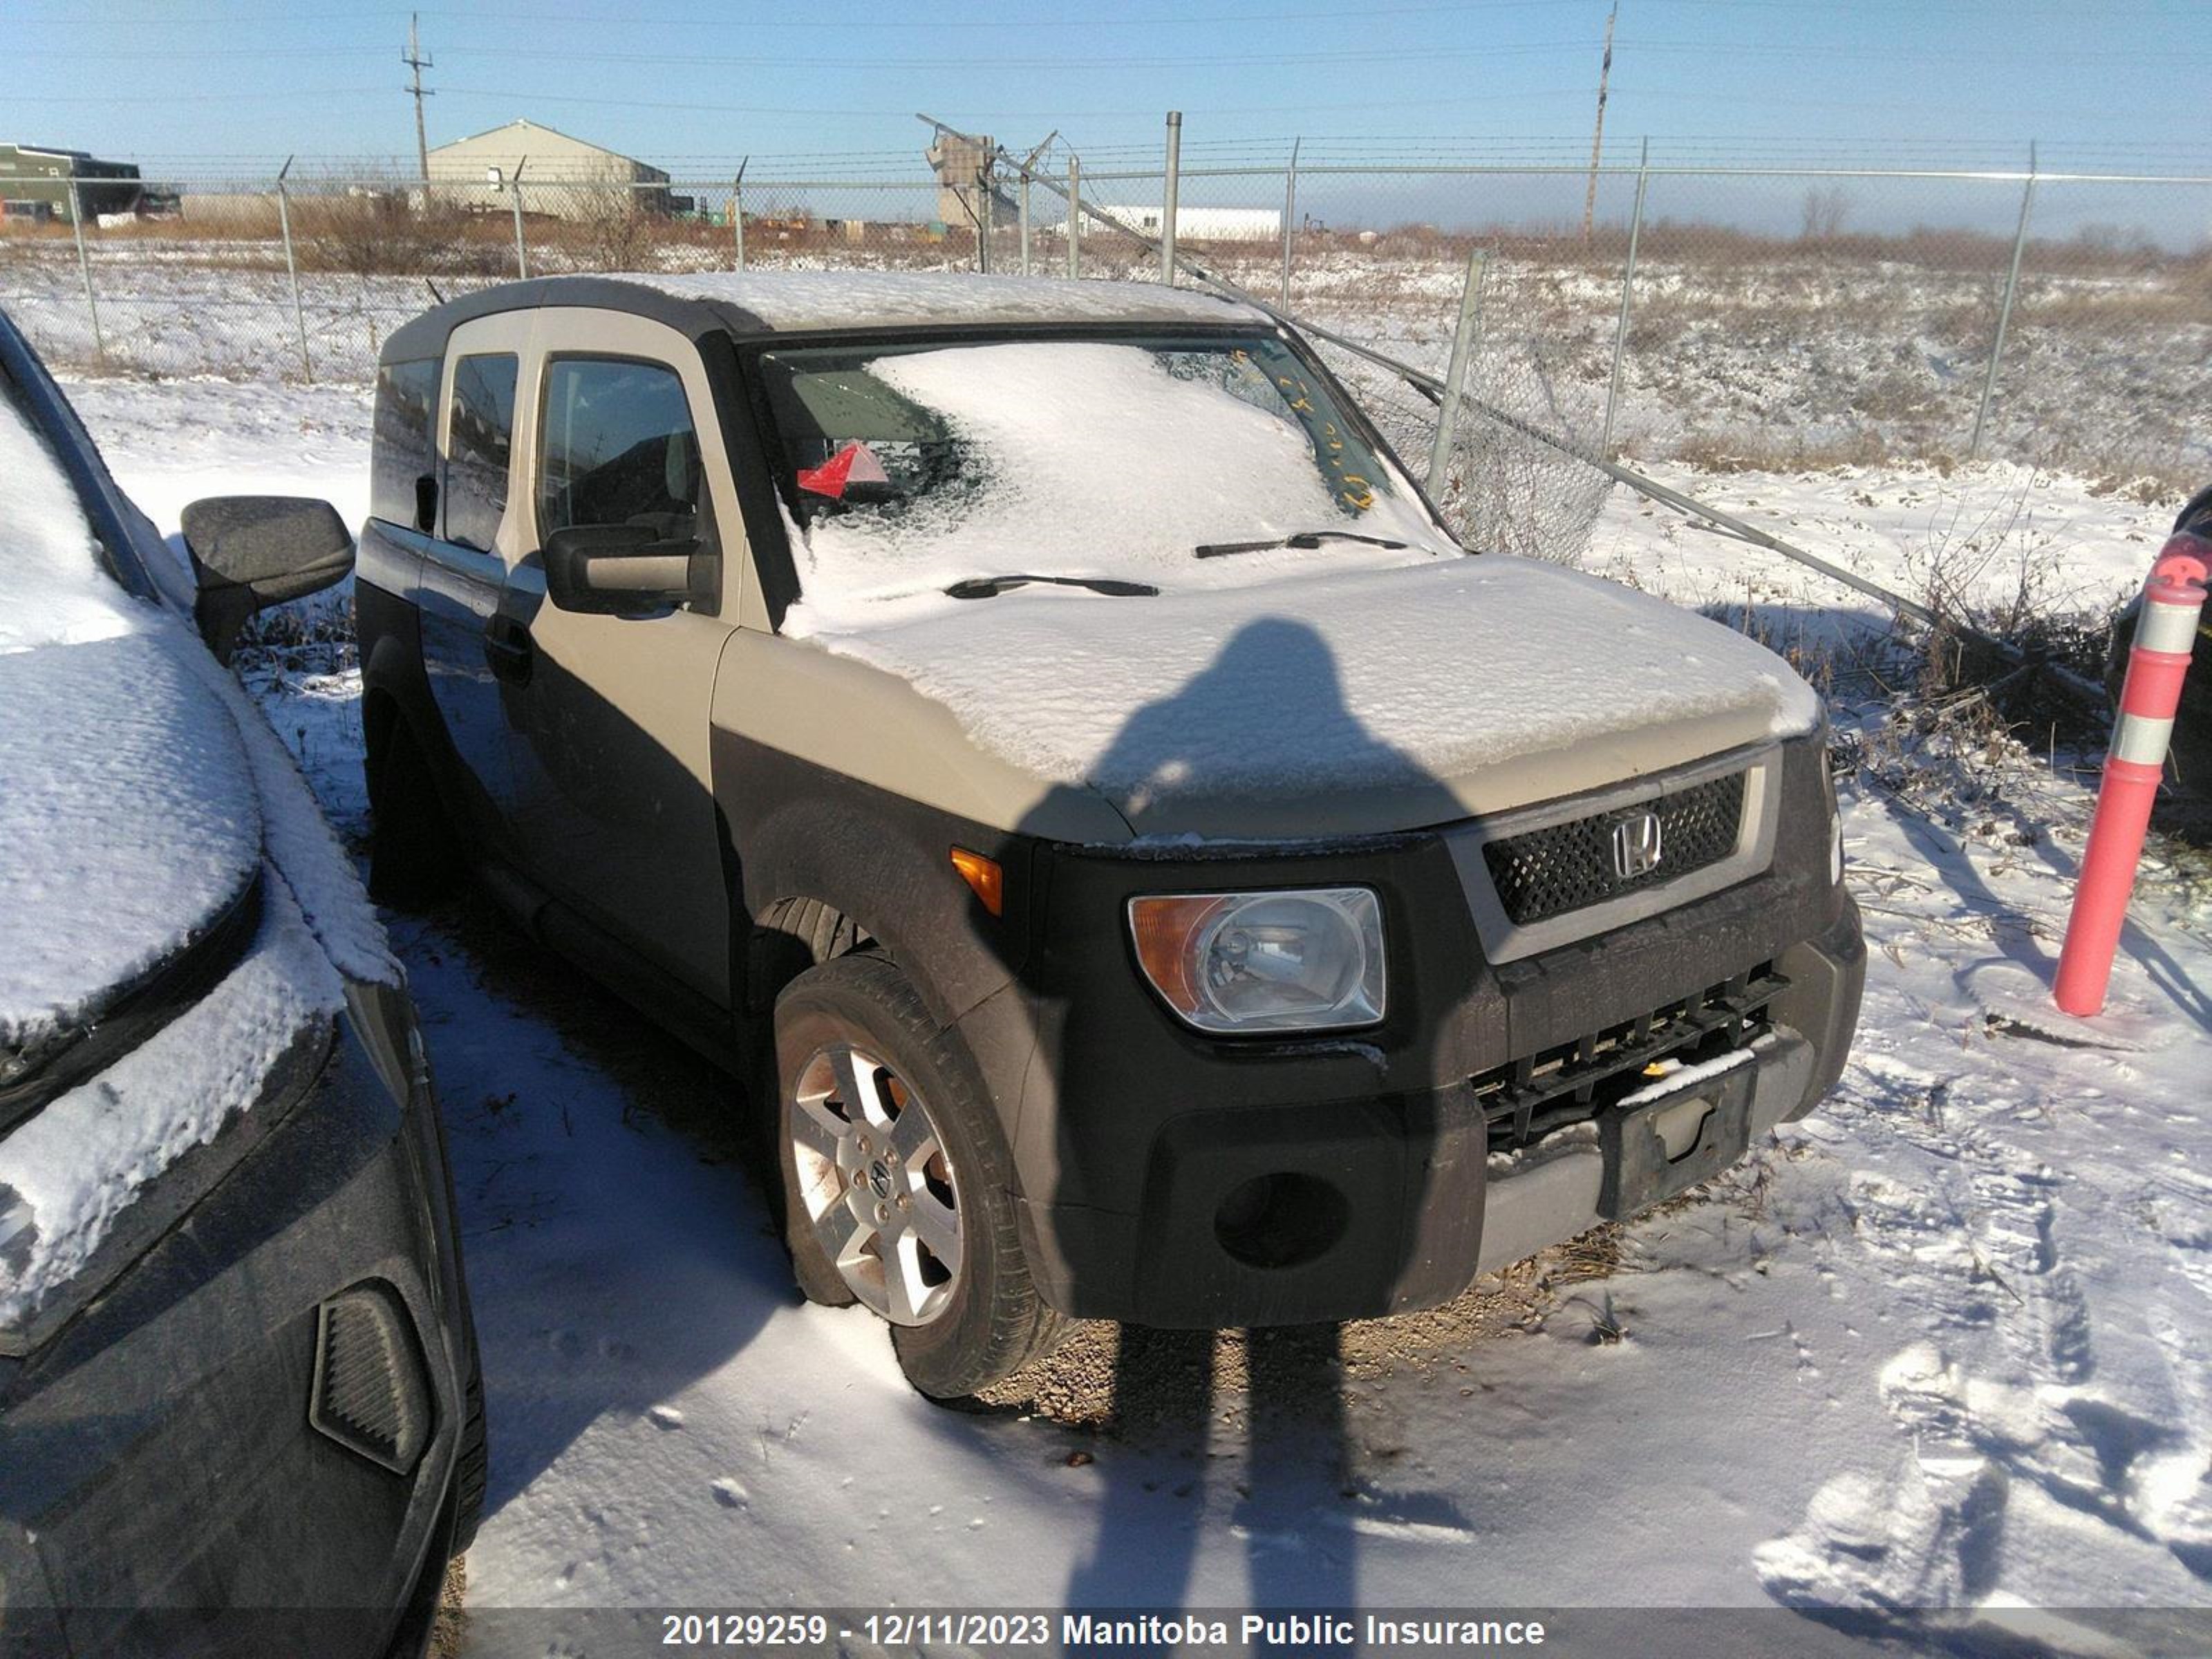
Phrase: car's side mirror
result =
(625, 570)
(249, 551)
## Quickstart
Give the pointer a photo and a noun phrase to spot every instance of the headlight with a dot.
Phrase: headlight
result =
(1308, 961)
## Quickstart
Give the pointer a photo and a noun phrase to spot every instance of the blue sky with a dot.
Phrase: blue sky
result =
(203, 87)
(2108, 81)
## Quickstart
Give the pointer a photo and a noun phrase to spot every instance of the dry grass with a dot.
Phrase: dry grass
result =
(1779, 452)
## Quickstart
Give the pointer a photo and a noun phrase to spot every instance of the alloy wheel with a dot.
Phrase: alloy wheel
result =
(878, 1190)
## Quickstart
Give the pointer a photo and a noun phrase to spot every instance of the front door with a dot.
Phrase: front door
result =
(613, 801)
(464, 571)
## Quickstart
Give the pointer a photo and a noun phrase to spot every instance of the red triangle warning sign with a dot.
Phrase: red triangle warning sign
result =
(854, 464)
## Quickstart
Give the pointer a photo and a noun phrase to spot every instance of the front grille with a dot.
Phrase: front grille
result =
(1547, 872)
(1524, 1100)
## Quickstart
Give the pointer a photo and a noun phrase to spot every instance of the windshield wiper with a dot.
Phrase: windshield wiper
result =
(1303, 539)
(989, 588)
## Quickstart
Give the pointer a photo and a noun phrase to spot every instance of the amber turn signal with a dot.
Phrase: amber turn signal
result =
(984, 876)
(1166, 929)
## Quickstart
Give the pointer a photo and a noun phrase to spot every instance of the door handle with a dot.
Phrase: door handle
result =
(508, 651)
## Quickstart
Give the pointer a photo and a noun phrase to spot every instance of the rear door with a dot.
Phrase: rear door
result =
(614, 802)
(469, 645)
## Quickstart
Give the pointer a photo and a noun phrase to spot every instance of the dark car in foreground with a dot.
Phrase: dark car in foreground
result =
(240, 1404)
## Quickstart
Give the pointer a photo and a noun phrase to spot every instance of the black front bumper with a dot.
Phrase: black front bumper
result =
(161, 1490)
(1169, 1179)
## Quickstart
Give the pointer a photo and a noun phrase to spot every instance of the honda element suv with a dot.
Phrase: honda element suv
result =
(1039, 733)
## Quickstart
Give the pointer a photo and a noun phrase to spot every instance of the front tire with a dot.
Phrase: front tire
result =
(898, 1185)
(472, 1464)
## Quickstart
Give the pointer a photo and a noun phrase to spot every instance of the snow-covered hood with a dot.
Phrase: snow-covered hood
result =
(131, 821)
(140, 790)
(1354, 702)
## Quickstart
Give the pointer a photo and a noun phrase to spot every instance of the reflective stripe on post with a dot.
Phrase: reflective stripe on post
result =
(2158, 661)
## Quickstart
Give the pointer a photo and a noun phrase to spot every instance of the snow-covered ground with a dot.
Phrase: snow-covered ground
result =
(1946, 1345)
(1880, 348)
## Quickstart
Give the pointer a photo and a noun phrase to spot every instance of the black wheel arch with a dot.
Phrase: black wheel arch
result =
(824, 865)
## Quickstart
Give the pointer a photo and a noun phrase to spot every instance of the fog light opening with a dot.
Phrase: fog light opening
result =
(370, 1392)
(1281, 1220)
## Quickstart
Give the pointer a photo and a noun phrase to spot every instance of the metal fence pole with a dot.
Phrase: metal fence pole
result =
(1627, 298)
(84, 268)
(1074, 216)
(292, 271)
(983, 216)
(1462, 357)
(737, 211)
(1290, 217)
(521, 252)
(2004, 311)
(1168, 207)
(1025, 221)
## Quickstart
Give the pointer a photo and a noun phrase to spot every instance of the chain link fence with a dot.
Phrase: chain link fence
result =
(1729, 317)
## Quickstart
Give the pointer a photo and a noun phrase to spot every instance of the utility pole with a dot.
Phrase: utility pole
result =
(415, 60)
(1597, 141)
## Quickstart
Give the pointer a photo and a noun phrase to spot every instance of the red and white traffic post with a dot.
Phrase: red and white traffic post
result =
(2165, 630)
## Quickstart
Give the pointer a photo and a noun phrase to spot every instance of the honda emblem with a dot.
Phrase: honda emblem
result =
(1635, 845)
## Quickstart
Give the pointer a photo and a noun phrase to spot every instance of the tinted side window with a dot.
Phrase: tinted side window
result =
(477, 443)
(403, 473)
(619, 448)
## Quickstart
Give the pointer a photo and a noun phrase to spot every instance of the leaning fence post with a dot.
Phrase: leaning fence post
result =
(1170, 190)
(1290, 217)
(84, 268)
(2166, 634)
(1628, 298)
(521, 254)
(1074, 216)
(983, 216)
(1025, 221)
(1462, 354)
(292, 271)
(2004, 311)
(737, 211)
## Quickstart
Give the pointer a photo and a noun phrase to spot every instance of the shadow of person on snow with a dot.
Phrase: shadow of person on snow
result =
(1272, 695)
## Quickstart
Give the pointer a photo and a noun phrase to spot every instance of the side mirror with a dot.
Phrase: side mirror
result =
(249, 551)
(625, 570)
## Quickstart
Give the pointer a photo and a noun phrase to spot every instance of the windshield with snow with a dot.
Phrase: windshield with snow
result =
(54, 584)
(1155, 464)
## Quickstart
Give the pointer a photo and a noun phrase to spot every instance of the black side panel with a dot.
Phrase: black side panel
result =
(765, 535)
(395, 690)
(802, 831)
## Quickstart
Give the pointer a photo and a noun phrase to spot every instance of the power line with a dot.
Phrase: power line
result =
(1005, 115)
(1083, 62)
(1720, 51)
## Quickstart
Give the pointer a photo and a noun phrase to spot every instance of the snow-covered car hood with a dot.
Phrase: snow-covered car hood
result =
(1354, 702)
(142, 796)
(130, 820)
